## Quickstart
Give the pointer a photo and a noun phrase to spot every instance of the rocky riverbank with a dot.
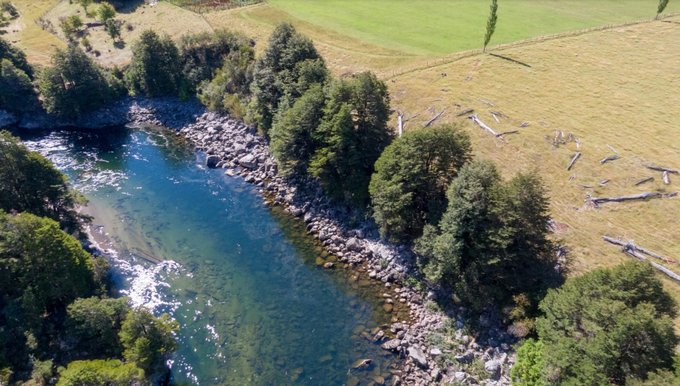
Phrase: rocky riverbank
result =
(434, 345)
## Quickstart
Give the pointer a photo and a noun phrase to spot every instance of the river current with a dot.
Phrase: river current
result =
(242, 279)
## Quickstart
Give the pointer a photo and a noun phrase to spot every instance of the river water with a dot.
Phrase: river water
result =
(242, 279)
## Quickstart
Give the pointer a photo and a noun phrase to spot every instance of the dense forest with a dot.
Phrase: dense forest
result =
(483, 240)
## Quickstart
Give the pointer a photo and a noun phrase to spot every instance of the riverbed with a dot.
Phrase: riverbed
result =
(244, 281)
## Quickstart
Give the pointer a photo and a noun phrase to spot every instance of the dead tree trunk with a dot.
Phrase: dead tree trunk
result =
(666, 178)
(662, 169)
(642, 181)
(400, 124)
(635, 197)
(576, 156)
(431, 121)
(483, 125)
(610, 158)
(638, 253)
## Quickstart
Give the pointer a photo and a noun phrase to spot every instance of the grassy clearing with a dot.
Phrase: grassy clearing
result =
(614, 87)
(28, 35)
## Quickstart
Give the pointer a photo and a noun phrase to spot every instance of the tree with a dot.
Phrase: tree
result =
(16, 56)
(231, 85)
(202, 55)
(16, 89)
(30, 183)
(113, 28)
(106, 12)
(49, 267)
(661, 7)
(276, 71)
(351, 136)
(408, 188)
(94, 324)
(292, 135)
(529, 370)
(70, 26)
(491, 22)
(491, 245)
(155, 68)
(606, 326)
(111, 372)
(74, 85)
(147, 340)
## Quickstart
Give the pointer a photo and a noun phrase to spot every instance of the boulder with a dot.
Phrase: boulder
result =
(353, 244)
(212, 161)
(418, 357)
(466, 358)
(248, 161)
(493, 368)
(391, 345)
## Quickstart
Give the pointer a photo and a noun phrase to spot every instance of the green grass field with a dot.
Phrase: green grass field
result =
(442, 27)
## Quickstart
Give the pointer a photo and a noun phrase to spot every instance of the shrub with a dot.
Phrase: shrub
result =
(148, 341)
(110, 372)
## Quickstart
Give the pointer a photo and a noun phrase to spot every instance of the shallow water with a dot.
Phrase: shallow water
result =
(242, 279)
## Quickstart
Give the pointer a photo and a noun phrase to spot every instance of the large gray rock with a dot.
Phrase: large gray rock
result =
(418, 357)
(353, 245)
(391, 345)
(493, 368)
(466, 358)
(212, 161)
(248, 161)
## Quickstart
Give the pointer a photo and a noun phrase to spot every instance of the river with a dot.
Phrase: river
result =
(242, 279)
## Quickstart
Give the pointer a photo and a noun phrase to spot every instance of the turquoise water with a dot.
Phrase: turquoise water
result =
(242, 279)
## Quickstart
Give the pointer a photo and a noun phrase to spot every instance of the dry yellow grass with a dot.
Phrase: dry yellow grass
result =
(162, 17)
(615, 87)
(28, 35)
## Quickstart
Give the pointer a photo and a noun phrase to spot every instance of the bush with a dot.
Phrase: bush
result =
(492, 242)
(74, 85)
(408, 188)
(203, 54)
(230, 86)
(101, 372)
(277, 73)
(529, 370)
(16, 56)
(155, 69)
(351, 136)
(16, 90)
(606, 326)
(148, 341)
(94, 324)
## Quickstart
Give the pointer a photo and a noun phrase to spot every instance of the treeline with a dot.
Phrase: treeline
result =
(57, 322)
(482, 239)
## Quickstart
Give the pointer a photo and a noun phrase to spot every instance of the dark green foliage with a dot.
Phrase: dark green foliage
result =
(71, 26)
(661, 7)
(48, 267)
(74, 85)
(30, 183)
(16, 56)
(94, 324)
(203, 54)
(408, 188)
(227, 91)
(155, 69)
(16, 90)
(352, 136)
(277, 73)
(491, 245)
(112, 28)
(101, 372)
(491, 22)
(147, 340)
(106, 12)
(606, 326)
(657, 378)
(292, 135)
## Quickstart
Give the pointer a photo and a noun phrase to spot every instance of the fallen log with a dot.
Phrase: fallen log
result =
(483, 125)
(610, 158)
(639, 252)
(465, 112)
(576, 156)
(507, 132)
(524, 124)
(604, 182)
(662, 169)
(487, 102)
(666, 178)
(495, 118)
(635, 197)
(642, 181)
(428, 123)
